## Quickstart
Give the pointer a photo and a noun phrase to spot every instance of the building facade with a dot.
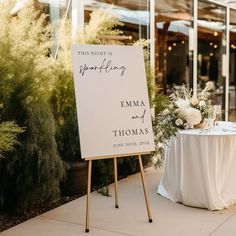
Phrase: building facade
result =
(192, 41)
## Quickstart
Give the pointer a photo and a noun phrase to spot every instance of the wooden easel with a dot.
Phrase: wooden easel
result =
(116, 186)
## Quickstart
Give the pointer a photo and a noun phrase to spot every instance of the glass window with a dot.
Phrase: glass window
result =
(211, 48)
(173, 59)
(133, 13)
(56, 9)
(232, 67)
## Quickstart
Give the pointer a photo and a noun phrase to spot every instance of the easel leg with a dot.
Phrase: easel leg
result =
(116, 183)
(144, 188)
(88, 195)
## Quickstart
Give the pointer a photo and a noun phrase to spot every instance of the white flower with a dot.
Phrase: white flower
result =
(210, 85)
(180, 113)
(172, 96)
(186, 126)
(202, 103)
(194, 101)
(187, 109)
(192, 116)
(159, 144)
(179, 122)
(166, 111)
(176, 112)
(182, 103)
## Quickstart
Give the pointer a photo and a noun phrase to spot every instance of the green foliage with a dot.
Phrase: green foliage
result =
(64, 109)
(8, 137)
(104, 191)
(32, 172)
(103, 172)
(163, 129)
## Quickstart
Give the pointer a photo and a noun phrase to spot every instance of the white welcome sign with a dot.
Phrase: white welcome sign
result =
(112, 101)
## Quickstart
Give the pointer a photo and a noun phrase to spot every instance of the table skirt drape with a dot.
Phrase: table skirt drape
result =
(200, 170)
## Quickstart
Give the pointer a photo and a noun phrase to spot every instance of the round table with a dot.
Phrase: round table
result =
(200, 167)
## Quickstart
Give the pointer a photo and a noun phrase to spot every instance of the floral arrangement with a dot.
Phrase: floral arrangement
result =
(186, 110)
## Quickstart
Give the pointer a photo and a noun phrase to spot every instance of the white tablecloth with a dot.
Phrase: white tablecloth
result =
(200, 168)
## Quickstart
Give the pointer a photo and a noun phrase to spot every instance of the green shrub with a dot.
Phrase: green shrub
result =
(8, 137)
(32, 172)
(64, 109)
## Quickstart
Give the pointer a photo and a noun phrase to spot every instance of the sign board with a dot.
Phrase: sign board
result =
(112, 101)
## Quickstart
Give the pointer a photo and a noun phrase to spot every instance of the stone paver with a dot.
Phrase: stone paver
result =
(169, 219)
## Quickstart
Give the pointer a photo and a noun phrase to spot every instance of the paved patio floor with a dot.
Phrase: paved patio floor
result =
(169, 219)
